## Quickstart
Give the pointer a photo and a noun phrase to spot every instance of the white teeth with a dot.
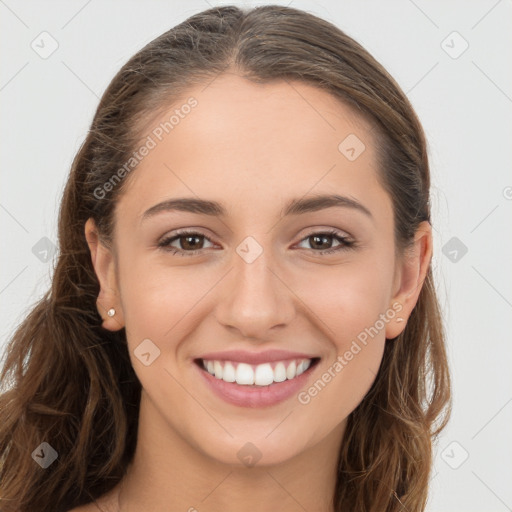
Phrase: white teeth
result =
(303, 366)
(291, 370)
(244, 374)
(218, 369)
(259, 375)
(279, 373)
(229, 374)
(264, 375)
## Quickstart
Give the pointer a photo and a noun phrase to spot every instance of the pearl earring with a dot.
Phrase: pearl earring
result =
(111, 312)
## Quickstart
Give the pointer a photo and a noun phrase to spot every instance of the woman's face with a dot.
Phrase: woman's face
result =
(265, 269)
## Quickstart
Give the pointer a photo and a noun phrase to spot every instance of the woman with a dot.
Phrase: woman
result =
(243, 314)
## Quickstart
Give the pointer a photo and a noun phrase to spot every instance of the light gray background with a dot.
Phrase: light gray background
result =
(464, 103)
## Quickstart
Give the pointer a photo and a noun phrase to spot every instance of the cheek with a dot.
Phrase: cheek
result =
(347, 298)
(349, 306)
(156, 298)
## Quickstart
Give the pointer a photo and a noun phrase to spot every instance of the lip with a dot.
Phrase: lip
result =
(267, 356)
(256, 396)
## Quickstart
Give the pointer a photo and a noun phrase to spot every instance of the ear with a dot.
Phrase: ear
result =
(104, 266)
(409, 277)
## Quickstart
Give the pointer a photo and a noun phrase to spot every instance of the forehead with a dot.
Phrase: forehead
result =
(255, 142)
(266, 118)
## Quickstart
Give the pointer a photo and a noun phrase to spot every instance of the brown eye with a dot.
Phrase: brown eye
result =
(189, 243)
(322, 242)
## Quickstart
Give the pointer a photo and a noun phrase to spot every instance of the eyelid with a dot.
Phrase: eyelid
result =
(327, 230)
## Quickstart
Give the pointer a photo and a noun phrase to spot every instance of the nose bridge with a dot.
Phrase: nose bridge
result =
(255, 300)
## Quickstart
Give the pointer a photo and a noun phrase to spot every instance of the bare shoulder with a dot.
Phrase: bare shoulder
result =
(106, 503)
(90, 507)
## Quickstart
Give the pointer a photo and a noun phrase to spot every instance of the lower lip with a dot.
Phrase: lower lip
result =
(256, 396)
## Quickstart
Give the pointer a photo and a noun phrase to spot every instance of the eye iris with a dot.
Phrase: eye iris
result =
(187, 238)
(316, 238)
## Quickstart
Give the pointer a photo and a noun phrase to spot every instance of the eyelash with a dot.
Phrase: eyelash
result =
(164, 244)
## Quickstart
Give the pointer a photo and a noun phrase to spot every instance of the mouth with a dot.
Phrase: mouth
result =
(266, 374)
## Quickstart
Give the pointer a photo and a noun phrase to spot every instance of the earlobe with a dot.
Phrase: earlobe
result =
(412, 271)
(107, 303)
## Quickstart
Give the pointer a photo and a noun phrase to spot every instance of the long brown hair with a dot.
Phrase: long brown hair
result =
(69, 382)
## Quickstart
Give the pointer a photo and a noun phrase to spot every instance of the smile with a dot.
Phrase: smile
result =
(250, 385)
(256, 375)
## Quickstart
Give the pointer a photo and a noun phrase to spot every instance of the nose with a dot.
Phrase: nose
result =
(255, 299)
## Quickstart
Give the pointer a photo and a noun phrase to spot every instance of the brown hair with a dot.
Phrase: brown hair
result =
(70, 383)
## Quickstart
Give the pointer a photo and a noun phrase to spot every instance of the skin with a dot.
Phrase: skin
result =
(253, 148)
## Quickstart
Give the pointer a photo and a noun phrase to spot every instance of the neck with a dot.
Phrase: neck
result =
(167, 471)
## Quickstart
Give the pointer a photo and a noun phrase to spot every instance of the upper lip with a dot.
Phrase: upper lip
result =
(266, 356)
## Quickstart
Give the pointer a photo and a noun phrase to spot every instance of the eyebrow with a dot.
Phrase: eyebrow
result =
(293, 207)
